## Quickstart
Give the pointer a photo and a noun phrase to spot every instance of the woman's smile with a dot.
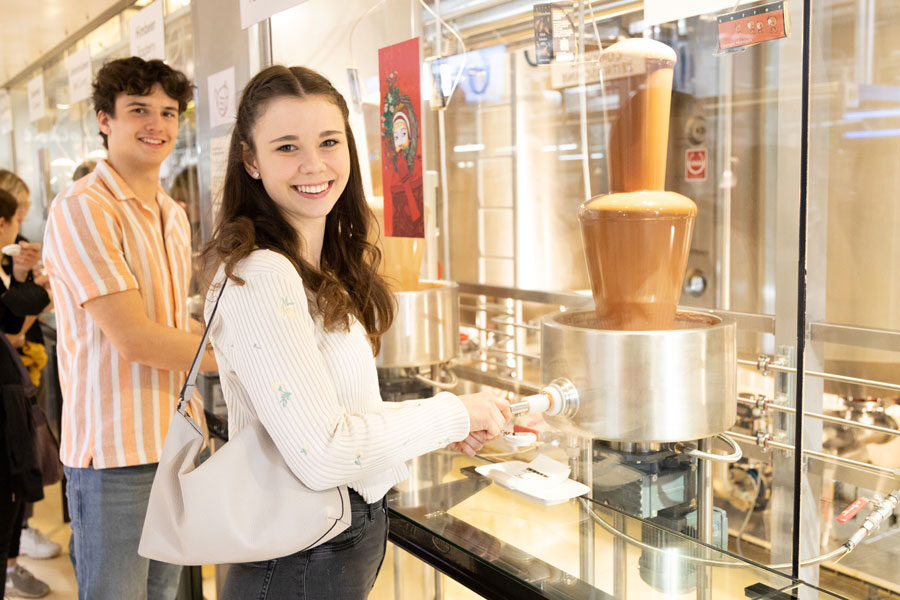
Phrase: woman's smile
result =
(314, 191)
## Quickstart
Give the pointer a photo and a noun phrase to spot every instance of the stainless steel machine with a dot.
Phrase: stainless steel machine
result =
(423, 338)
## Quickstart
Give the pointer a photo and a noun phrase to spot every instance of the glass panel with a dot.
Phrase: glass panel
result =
(567, 550)
(853, 280)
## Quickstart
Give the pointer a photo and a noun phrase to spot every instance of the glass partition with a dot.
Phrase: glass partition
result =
(518, 146)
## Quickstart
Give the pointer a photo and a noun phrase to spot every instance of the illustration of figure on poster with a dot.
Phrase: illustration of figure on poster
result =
(403, 201)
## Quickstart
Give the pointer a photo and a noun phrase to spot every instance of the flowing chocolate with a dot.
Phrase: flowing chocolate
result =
(637, 238)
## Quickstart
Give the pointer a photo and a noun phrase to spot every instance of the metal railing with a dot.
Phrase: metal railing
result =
(881, 339)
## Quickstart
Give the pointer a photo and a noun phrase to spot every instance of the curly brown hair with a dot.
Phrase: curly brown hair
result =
(347, 281)
(136, 76)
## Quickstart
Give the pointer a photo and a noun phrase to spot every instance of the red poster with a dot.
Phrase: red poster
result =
(398, 73)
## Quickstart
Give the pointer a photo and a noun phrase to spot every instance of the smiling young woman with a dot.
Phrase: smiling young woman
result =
(295, 330)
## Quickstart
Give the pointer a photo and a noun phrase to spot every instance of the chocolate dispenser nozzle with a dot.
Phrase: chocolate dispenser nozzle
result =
(637, 237)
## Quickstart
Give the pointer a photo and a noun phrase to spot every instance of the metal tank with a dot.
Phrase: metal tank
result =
(643, 386)
(425, 330)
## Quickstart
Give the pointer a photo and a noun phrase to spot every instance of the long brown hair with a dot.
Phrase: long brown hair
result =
(347, 281)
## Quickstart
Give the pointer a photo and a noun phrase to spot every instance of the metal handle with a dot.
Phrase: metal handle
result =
(735, 455)
(441, 385)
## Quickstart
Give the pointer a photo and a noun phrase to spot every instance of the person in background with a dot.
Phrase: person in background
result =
(299, 324)
(85, 167)
(33, 543)
(20, 476)
(117, 250)
(185, 191)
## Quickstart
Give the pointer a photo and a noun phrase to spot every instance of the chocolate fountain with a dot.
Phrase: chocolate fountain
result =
(636, 369)
(636, 379)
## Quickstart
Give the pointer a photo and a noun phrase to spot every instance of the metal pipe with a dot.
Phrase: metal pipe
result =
(821, 417)
(513, 352)
(487, 307)
(772, 366)
(620, 560)
(582, 108)
(585, 460)
(832, 458)
(435, 380)
(519, 324)
(704, 515)
(700, 452)
(839, 551)
(445, 192)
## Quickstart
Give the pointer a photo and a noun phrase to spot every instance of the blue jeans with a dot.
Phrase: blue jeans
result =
(107, 507)
(344, 568)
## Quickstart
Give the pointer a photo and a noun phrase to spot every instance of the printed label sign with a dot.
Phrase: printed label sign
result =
(401, 163)
(753, 26)
(254, 11)
(36, 104)
(148, 38)
(614, 65)
(221, 97)
(6, 122)
(554, 32)
(80, 75)
(695, 164)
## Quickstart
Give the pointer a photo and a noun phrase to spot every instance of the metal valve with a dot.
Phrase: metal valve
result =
(559, 397)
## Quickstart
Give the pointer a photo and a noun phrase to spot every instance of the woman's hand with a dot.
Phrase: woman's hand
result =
(487, 413)
(26, 260)
(472, 444)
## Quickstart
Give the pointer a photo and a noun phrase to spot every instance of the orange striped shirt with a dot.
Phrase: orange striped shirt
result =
(101, 239)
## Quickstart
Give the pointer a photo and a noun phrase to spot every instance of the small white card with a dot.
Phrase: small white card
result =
(36, 102)
(221, 98)
(80, 74)
(218, 161)
(543, 480)
(148, 39)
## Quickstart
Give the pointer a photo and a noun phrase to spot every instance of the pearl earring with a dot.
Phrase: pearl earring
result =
(256, 175)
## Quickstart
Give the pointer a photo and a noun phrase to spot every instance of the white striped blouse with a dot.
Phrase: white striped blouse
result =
(316, 391)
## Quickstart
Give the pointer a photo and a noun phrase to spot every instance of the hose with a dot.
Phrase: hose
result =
(837, 552)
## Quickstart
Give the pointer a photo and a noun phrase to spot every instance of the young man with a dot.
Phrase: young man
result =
(117, 250)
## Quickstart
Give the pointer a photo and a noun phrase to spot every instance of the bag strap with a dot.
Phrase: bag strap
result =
(191, 382)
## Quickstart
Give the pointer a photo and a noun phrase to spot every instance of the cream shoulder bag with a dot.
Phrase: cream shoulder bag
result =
(242, 504)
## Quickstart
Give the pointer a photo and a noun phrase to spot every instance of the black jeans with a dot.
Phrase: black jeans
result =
(12, 513)
(344, 568)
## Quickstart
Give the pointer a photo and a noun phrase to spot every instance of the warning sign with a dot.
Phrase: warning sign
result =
(695, 164)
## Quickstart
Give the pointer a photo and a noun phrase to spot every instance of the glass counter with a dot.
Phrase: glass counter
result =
(502, 545)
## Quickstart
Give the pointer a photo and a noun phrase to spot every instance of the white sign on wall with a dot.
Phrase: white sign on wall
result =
(221, 97)
(254, 11)
(36, 103)
(6, 122)
(663, 11)
(80, 75)
(148, 38)
(218, 163)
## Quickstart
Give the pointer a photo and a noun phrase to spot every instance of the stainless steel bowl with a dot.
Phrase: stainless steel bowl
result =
(425, 330)
(644, 386)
